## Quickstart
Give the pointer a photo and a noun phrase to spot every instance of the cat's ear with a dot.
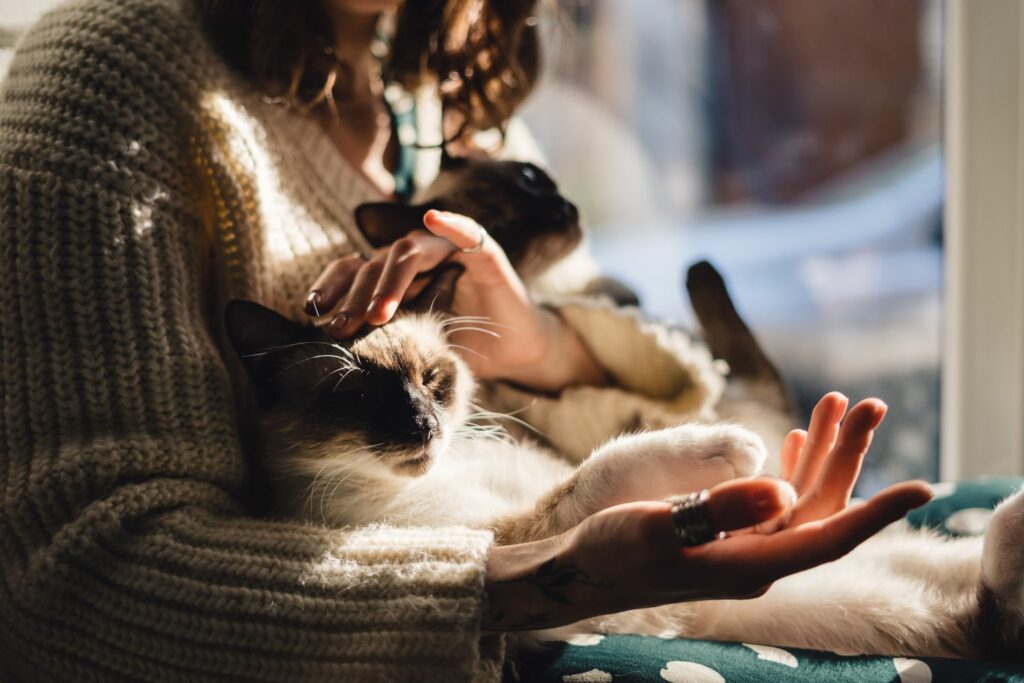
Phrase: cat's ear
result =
(384, 222)
(257, 333)
(438, 296)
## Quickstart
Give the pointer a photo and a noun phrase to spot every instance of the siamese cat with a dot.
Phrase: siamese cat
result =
(517, 202)
(381, 428)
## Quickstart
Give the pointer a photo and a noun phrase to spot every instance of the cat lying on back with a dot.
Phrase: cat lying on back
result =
(380, 428)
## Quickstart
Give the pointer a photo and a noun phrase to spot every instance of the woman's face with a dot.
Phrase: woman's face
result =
(364, 6)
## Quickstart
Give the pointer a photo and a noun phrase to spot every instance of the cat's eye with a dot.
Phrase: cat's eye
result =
(429, 375)
(529, 174)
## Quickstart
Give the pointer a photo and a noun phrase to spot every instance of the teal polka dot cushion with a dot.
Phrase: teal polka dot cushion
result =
(956, 509)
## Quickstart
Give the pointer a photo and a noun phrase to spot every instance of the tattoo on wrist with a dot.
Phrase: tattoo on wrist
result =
(553, 582)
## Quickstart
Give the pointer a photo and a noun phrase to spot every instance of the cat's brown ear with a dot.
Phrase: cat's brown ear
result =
(438, 296)
(384, 222)
(257, 333)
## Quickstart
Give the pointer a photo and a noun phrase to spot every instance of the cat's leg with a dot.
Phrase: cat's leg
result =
(1000, 619)
(648, 466)
(656, 465)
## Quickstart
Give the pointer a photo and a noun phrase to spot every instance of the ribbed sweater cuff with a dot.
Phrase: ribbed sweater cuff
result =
(199, 596)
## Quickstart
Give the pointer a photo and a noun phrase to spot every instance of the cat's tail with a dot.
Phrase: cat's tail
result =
(999, 622)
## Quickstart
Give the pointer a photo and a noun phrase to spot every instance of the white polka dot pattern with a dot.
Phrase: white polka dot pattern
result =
(592, 676)
(912, 670)
(690, 672)
(773, 654)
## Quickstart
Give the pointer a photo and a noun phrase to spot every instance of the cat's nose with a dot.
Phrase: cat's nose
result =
(427, 427)
(568, 212)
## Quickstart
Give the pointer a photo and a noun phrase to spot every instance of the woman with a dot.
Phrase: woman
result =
(158, 157)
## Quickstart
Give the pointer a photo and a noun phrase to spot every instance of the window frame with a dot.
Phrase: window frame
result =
(983, 360)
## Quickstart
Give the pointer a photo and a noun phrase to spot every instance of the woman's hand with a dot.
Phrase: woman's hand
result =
(504, 334)
(628, 556)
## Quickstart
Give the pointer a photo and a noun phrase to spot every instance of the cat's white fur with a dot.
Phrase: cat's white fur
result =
(903, 592)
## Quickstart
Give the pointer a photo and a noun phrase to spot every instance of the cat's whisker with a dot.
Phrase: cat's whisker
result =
(345, 369)
(482, 413)
(483, 433)
(454, 320)
(467, 328)
(285, 347)
(322, 483)
(468, 350)
(475, 320)
(317, 357)
(359, 469)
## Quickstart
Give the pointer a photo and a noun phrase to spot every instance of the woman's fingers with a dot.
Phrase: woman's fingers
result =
(488, 265)
(809, 545)
(407, 258)
(790, 455)
(333, 282)
(746, 563)
(371, 291)
(743, 503)
(821, 435)
(842, 467)
(351, 314)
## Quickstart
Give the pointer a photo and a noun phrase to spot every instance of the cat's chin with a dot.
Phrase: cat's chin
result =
(414, 465)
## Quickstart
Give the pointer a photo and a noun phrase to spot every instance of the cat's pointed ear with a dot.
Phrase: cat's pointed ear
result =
(438, 296)
(257, 332)
(384, 222)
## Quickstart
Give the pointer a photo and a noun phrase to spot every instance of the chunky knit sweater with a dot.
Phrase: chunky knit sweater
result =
(141, 186)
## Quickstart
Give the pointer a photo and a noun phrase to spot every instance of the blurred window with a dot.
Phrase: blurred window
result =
(797, 146)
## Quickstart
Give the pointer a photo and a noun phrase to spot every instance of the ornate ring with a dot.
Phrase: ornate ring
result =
(690, 517)
(479, 243)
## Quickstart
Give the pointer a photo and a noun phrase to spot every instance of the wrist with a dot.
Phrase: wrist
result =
(561, 359)
(514, 601)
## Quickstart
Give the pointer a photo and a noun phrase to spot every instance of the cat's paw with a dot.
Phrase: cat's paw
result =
(690, 457)
(741, 449)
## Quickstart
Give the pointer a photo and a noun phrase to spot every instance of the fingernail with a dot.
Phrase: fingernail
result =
(766, 501)
(879, 416)
(775, 500)
(313, 303)
(339, 322)
(374, 305)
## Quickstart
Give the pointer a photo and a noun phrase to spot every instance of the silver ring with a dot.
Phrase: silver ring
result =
(479, 243)
(690, 518)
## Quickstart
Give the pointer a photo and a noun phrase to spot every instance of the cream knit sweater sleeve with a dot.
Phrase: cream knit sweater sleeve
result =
(125, 551)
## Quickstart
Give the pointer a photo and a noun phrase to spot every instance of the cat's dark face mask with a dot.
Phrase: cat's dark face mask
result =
(517, 202)
(397, 391)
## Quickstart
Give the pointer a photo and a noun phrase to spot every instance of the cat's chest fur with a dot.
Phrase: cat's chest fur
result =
(472, 482)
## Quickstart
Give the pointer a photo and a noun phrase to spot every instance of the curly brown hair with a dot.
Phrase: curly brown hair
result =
(484, 55)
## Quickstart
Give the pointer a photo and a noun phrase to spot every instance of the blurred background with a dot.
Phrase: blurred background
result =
(795, 144)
